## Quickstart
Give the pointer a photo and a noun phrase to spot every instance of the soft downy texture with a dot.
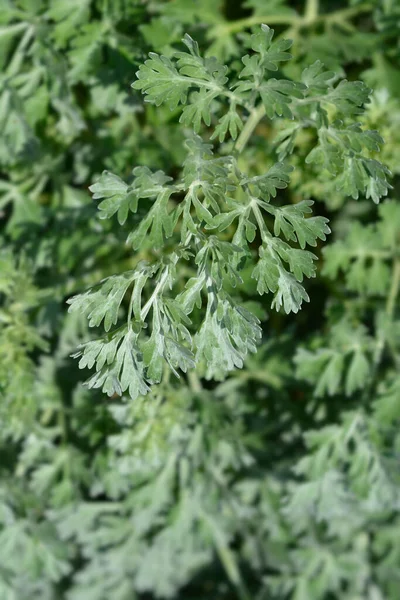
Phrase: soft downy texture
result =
(226, 234)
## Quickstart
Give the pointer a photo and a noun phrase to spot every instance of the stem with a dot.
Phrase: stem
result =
(390, 306)
(236, 26)
(311, 10)
(150, 301)
(255, 117)
(201, 83)
(346, 13)
(130, 309)
(227, 557)
(18, 55)
(194, 382)
(10, 30)
(394, 289)
(311, 16)
(265, 234)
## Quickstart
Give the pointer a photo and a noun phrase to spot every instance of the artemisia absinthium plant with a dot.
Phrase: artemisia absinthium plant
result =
(218, 216)
(281, 481)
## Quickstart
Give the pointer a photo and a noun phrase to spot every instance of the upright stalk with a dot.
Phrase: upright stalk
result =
(293, 21)
(311, 10)
(394, 289)
(389, 310)
(154, 295)
(255, 117)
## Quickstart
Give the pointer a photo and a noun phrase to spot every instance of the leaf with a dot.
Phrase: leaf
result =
(160, 80)
(225, 337)
(294, 226)
(157, 225)
(326, 154)
(316, 78)
(290, 293)
(301, 262)
(277, 94)
(168, 341)
(271, 53)
(324, 366)
(168, 81)
(367, 176)
(206, 181)
(85, 54)
(277, 178)
(345, 363)
(340, 150)
(118, 197)
(266, 271)
(362, 257)
(68, 17)
(194, 114)
(191, 295)
(349, 96)
(230, 122)
(358, 373)
(103, 301)
(119, 364)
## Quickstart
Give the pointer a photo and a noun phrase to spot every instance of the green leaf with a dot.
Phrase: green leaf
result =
(168, 341)
(277, 94)
(301, 262)
(68, 16)
(168, 81)
(294, 226)
(271, 53)
(290, 293)
(194, 114)
(276, 178)
(349, 96)
(160, 80)
(345, 364)
(266, 271)
(119, 364)
(358, 372)
(118, 197)
(103, 301)
(85, 54)
(231, 122)
(316, 78)
(156, 226)
(225, 337)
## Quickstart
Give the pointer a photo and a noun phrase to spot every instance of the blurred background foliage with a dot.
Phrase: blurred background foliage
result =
(282, 481)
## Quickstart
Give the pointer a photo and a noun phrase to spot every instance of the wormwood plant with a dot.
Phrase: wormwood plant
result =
(186, 217)
(246, 442)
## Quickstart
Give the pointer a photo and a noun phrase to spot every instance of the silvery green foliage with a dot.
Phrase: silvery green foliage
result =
(277, 480)
(186, 216)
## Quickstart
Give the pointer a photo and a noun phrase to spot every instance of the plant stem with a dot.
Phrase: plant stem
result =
(9, 30)
(390, 306)
(17, 58)
(226, 556)
(260, 221)
(310, 16)
(154, 295)
(311, 10)
(194, 382)
(394, 289)
(130, 309)
(255, 117)
(346, 13)
(240, 24)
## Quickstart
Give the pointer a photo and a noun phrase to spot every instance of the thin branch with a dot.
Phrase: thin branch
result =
(255, 117)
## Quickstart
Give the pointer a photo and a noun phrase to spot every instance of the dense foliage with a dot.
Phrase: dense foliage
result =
(212, 187)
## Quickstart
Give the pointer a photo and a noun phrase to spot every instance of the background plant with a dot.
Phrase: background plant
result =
(278, 479)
